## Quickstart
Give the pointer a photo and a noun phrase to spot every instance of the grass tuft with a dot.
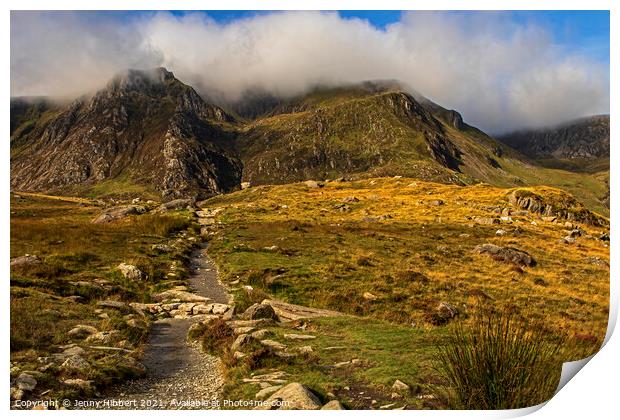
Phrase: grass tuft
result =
(497, 362)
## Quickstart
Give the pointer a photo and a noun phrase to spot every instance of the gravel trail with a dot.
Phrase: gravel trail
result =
(178, 375)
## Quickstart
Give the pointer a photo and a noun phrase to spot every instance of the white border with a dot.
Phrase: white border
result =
(593, 394)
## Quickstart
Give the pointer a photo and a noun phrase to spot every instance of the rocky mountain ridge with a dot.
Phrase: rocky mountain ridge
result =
(145, 126)
(146, 131)
(582, 138)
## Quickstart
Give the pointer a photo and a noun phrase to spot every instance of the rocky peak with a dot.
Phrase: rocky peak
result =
(141, 80)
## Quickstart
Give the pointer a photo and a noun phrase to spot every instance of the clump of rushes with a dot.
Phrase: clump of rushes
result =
(497, 362)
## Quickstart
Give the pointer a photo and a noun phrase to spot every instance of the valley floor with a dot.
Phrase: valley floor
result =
(400, 260)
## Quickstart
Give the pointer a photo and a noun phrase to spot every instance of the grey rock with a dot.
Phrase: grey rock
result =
(75, 363)
(130, 272)
(260, 311)
(25, 260)
(292, 396)
(82, 331)
(400, 386)
(26, 382)
(333, 405)
(116, 213)
(178, 204)
(265, 392)
(506, 254)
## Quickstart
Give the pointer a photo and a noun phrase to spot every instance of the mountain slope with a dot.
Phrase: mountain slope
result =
(147, 133)
(363, 130)
(145, 128)
(585, 138)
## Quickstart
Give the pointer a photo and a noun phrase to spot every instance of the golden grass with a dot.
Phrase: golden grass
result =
(319, 249)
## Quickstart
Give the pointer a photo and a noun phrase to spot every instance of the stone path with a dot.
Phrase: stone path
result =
(179, 376)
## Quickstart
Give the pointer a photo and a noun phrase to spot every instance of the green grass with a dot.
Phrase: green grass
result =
(411, 262)
(378, 346)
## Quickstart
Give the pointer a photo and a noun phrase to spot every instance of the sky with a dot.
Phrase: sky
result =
(501, 70)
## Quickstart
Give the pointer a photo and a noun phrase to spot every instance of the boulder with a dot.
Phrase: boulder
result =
(218, 308)
(80, 331)
(112, 304)
(487, 220)
(73, 351)
(260, 311)
(303, 350)
(400, 386)
(369, 296)
(265, 392)
(293, 396)
(260, 334)
(25, 261)
(333, 405)
(506, 254)
(78, 383)
(161, 248)
(245, 185)
(312, 184)
(239, 342)
(116, 213)
(289, 311)
(130, 272)
(106, 337)
(446, 312)
(26, 382)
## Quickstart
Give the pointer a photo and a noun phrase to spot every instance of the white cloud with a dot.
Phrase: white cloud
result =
(499, 75)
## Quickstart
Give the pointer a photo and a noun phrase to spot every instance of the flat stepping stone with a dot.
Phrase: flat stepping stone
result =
(288, 311)
(299, 336)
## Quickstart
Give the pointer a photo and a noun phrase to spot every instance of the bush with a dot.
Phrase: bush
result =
(218, 337)
(498, 363)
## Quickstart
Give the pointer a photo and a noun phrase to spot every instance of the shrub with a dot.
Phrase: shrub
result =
(218, 336)
(498, 363)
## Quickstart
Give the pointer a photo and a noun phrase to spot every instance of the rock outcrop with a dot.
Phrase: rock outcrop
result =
(144, 128)
(506, 254)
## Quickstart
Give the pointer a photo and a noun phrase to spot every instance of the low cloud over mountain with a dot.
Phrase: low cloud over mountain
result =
(500, 74)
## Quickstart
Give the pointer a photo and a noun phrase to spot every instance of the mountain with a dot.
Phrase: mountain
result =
(585, 138)
(369, 129)
(145, 128)
(148, 133)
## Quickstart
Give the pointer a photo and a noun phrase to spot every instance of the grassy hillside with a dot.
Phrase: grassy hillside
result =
(358, 132)
(77, 270)
(387, 252)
